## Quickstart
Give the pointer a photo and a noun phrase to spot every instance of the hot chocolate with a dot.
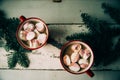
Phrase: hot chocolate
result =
(33, 33)
(77, 57)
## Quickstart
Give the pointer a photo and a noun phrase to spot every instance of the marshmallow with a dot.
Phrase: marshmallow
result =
(86, 54)
(40, 27)
(28, 27)
(76, 47)
(30, 44)
(36, 31)
(74, 67)
(30, 35)
(83, 63)
(35, 43)
(42, 38)
(23, 35)
(81, 52)
(75, 57)
(66, 60)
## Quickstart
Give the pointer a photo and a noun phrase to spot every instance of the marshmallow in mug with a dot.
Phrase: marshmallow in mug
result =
(74, 67)
(76, 47)
(83, 63)
(86, 54)
(30, 35)
(66, 60)
(40, 27)
(75, 57)
(28, 27)
(23, 35)
(41, 38)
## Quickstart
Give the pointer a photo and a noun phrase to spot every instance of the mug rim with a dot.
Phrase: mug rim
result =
(61, 57)
(19, 40)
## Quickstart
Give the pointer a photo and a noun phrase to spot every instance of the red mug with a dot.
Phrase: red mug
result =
(32, 33)
(77, 57)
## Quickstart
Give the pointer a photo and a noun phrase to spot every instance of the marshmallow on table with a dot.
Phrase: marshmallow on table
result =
(74, 67)
(40, 27)
(76, 47)
(75, 57)
(28, 27)
(66, 60)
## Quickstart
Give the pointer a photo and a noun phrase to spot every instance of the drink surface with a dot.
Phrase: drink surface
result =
(77, 57)
(33, 33)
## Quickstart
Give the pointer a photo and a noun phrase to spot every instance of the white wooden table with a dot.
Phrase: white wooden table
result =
(68, 11)
(48, 57)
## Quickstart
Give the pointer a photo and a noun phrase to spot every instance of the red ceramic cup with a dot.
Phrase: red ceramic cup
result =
(70, 64)
(32, 33)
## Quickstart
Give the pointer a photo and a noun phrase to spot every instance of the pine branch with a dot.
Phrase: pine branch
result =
(2, 22)
(113, 12)
(100, 39)
(23, 59)
(89, 22)
(8, 29)
(12, 60)
(117, 47)
(114, 55)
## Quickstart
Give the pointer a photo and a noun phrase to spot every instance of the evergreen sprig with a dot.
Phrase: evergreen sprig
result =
(20, 58)
(8, 29)
(23, 59)
(12, 60)
(113, 12)
(100, 39)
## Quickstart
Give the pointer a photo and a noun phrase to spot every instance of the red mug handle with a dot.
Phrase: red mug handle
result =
(22, 18)
(90, 73)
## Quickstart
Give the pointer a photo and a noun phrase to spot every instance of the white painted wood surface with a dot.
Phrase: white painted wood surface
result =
(68, 11)
(48, 57)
